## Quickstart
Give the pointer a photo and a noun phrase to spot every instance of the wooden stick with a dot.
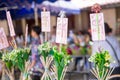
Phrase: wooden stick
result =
(36, 15)
(98, 73)
(113, 76)
(110, 72)
(65, 70)
(55, 71)
(60, 46)
(26, 34)
(11, 44)
(15, 45)
(54, 74)
(46, 36)
(105, 74)
(94, 70)
(46, 65)
(94, 73)
(62, 74)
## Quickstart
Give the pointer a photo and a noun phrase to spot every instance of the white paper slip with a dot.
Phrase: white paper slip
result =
(10, 24)
(62, 29)
(45, 21)
(97, 26)
(3, 39)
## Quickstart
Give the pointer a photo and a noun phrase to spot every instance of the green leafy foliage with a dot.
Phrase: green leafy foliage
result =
(45, 50)
(16, 58)
(101, 61)
(61, 59)
(83, 50)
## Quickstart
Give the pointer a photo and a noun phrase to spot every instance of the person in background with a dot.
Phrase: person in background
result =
(112, 45)
(81, 38)
(19, 40)
(52, 37)
(72, 39)
(35, 57)
(28, 39)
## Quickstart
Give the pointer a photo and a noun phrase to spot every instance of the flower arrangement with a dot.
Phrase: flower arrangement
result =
(15, 59)
(60, 59)
(102, 61)
(44, 49)
(46, 59)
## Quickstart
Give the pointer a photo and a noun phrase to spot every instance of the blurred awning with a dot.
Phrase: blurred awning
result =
(88, 3)
(59, 5)
(25, 8)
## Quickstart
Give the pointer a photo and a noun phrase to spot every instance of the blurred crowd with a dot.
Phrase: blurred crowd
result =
(78, 42)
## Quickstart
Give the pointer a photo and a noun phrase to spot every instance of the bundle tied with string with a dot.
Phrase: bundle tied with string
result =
(61, 61)
(46, 74)
(102, 61)
(46, 59)
(25, 74)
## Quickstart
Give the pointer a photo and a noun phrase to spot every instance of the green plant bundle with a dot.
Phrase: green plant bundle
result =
(61, 60)
(16, 58)
(44, 50)
(102, 61)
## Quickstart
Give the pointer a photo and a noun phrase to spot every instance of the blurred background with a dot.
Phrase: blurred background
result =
(78, 13)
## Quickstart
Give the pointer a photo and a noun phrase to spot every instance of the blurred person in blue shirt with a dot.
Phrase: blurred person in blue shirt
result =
(35, 57)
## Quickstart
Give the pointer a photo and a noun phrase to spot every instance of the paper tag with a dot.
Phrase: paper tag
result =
(45, 21)
(62, 28)
(10, 24)
(97, 26)
(3, 39)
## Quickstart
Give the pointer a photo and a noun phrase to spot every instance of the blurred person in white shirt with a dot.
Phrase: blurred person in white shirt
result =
(19, 40)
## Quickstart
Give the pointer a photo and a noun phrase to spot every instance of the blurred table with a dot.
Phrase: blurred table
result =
(85, 72)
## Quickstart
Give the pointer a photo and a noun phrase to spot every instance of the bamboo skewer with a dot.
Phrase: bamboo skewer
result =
(46, 65)
(105, 74)
(64, 73)
(94, 73)
(110, 72)
(26, 34)
(15, 45)
(113, 76)
(11, 44)
(54, 70)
